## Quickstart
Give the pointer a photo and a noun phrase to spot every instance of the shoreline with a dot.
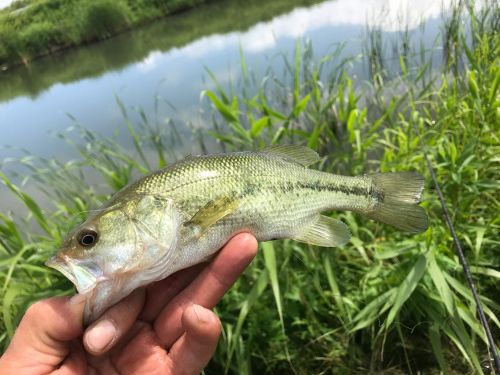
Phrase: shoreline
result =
(25, 58)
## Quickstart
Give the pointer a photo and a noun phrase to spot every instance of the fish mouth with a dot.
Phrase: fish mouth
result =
(84, 274)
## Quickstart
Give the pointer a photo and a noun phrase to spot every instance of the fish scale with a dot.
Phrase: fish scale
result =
(273, 177)
(182, 215)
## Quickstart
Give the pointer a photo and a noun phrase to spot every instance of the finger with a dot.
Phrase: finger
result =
(209, 287)
(75, 363)
(104, 333)
(42, 339)
(160, 293)
(191, 353)
(142, 355)
(121, 343)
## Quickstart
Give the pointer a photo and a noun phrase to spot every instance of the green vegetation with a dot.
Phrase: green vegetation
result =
(388, 302)
(221, 16)
(30, 29)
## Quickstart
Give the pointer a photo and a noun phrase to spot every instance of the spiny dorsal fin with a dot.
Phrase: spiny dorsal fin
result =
(211, 213)
(325, 231)
(299, 154)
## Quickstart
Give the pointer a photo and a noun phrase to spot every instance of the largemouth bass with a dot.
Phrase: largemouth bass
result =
(181, 215)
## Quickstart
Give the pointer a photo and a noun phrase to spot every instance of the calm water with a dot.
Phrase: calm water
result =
(168, 59)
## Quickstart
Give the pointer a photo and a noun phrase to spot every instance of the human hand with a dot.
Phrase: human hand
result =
(165, 328)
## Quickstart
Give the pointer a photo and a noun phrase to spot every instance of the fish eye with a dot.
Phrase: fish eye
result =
(87, 237)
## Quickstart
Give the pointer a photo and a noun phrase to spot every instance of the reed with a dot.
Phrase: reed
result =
(385, 303)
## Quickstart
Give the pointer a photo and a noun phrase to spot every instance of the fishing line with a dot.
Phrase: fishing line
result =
(462, 259)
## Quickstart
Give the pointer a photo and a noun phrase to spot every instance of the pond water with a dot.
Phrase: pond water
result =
(168, 59)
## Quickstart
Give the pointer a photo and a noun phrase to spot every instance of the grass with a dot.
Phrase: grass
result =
(30, 29)
(386, 303)
(222, 16)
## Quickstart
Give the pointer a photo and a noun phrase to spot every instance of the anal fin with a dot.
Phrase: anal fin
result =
(325, 231)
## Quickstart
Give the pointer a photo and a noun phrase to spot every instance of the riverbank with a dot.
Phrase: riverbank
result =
(30, 29)
(175, 31)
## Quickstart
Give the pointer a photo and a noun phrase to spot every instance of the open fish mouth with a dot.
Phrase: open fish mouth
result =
(82, 273)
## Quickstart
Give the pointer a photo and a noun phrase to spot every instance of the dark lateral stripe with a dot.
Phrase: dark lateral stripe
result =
(320, 187)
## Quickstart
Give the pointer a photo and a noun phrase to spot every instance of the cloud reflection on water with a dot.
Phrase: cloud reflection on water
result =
(388, 15)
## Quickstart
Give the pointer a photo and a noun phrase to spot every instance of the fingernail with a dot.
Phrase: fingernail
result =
(100, 336)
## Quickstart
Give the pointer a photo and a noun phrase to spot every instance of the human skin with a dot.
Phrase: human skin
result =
(165, 328)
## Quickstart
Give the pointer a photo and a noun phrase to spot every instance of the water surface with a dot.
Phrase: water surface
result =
(168, 59)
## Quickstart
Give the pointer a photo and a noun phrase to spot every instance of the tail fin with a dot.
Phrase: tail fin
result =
(397, 196)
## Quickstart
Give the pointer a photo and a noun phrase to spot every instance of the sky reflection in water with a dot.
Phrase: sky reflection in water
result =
(177, 74)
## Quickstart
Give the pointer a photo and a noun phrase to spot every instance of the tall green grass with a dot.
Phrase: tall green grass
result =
(388, 302)
(30, 29)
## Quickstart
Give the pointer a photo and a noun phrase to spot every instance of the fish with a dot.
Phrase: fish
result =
(182, 215)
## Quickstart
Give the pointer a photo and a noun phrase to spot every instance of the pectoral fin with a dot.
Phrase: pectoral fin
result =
(211, 213)
(325, 231)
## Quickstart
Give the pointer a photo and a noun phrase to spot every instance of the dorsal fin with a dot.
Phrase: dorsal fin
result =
(298, 154)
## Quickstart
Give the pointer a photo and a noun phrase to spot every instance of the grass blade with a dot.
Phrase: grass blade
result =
(405, 290)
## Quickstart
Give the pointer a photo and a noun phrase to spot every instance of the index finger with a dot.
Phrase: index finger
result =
(209, 287)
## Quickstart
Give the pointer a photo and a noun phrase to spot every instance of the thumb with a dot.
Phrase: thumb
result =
(43, 338)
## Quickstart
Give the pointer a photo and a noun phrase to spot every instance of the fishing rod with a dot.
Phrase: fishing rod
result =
(482, 317)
